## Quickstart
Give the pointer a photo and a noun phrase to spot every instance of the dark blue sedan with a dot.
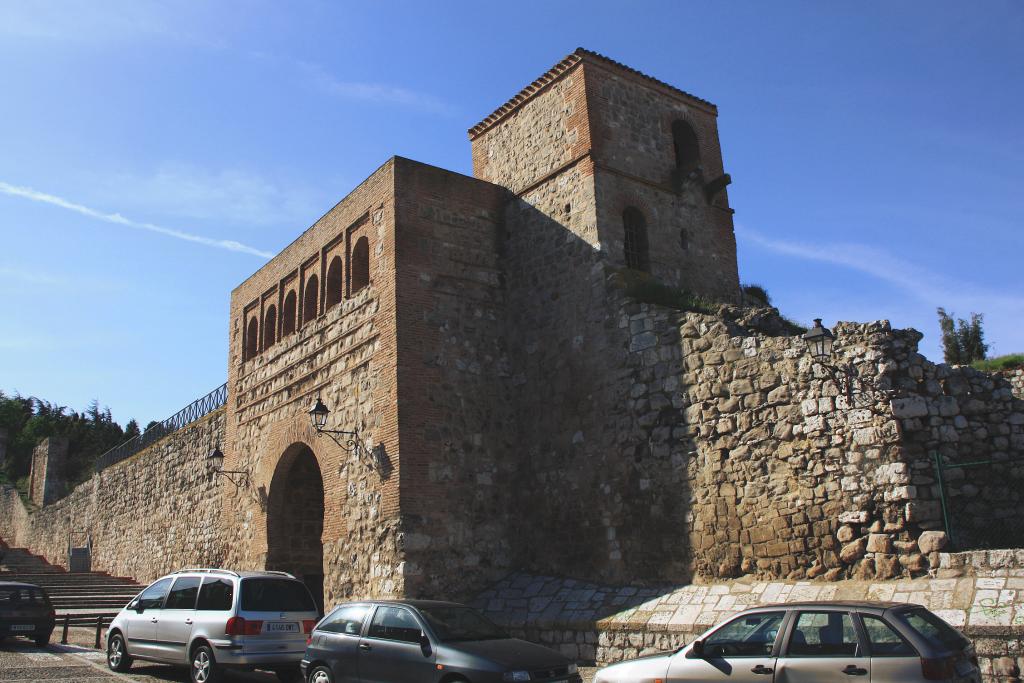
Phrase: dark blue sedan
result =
(398, 641)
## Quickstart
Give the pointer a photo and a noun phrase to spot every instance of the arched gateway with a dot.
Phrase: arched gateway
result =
(295, 519)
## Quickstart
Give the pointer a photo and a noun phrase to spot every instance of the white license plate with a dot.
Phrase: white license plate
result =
(23, 627)
(280, 627)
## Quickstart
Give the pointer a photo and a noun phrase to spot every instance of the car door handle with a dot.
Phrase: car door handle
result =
(854, 670)
(364, 646)
(152, 621)
(188, 621)
(761, 669)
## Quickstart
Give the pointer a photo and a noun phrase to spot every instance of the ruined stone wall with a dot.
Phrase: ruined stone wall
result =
(151, 514)
(456, 418)
(345, 353)
(46, 478)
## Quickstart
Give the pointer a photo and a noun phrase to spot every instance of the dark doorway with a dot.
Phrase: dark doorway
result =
(295, 520)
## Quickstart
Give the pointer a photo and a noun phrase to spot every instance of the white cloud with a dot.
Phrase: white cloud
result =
(235, 196)
(910, 282)
(118, 219)
(365, 91)
(31, 277)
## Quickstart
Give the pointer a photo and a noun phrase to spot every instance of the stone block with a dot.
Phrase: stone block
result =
(879, 543)
(932, 541)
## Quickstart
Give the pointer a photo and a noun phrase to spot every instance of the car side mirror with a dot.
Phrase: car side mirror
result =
(140, 607)
(424, 642)
(696, 650)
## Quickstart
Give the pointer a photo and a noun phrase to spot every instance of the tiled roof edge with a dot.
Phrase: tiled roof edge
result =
(555, 73)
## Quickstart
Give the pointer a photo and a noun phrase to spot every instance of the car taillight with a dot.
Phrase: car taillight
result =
(239, 626)
(938, 669)
(307, 625)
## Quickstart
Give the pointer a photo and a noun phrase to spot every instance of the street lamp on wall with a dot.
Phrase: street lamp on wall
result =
(820, 340)
(239, 478)
(348, 440)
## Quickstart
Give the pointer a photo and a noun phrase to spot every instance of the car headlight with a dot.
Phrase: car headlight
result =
(573, 668)
(516, 676)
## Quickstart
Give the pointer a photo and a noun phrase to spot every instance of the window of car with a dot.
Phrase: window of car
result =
(395, 623)
(153, 597)
(933, 629)
(823, 634)
(183, 593)
(19, 596)
(884, 640)
(453, 623)
(216, 594)
(348, 620)
(276, 595)
(751, 635)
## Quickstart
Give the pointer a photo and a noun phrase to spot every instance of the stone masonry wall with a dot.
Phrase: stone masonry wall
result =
(154, 513)
(345, 354)
(47, 473)
(456, 418)
(690, 238)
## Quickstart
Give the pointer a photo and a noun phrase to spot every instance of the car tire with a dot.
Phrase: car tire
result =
(117, 654)
(203, 667)
(321, 674)
(42, 641)
(288, 674)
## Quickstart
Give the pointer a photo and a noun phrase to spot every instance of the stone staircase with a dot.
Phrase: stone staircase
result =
(76, 594)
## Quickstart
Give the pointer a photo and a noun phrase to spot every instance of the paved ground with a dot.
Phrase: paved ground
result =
(78, 662)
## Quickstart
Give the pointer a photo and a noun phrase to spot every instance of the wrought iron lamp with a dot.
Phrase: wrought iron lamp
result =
(216, 462)
(349, 440)
(819, 340)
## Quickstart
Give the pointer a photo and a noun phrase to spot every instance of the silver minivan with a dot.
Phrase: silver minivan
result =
(815, 642)
(213, 619)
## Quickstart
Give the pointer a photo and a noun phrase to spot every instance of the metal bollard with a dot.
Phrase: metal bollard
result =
(64, 633)
(99, 627)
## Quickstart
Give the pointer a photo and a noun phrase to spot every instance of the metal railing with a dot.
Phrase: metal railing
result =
(190, 413)
(967, 531)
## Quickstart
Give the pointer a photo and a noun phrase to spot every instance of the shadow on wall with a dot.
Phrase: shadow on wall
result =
(602, 484)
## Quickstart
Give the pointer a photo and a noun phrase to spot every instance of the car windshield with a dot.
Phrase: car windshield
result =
(276, 595)
(933, 629)
(451, 623)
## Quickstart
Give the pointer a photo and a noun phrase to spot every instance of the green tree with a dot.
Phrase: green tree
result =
(963, 341)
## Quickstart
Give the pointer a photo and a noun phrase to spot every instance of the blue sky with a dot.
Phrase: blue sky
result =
(152, 153)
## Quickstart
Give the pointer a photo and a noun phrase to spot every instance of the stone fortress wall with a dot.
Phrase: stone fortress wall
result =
(151, 514)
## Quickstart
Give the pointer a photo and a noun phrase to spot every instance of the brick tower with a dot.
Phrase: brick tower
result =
(631, 165)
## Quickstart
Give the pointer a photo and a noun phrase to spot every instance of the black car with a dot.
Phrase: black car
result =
(424, 641)
(25, 610)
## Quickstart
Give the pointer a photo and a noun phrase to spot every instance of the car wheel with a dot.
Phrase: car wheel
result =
(288, 674)
(204, 667)
(43, 641)
(117, 654)
(321, 674)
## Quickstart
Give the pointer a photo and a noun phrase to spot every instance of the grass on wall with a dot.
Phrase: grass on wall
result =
(1007, 362)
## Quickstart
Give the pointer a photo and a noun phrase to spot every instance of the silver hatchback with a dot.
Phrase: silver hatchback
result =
(815, 642)
(212, 619)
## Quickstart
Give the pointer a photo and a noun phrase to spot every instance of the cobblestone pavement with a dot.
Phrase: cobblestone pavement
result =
(78, 662)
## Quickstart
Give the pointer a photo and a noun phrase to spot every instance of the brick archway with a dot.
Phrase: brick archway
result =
(295, 518)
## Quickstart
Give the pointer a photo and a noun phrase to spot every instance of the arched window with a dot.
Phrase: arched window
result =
(269, 327)
(288, 314)
(333, 283)
(634, 240)
(686, 146)
(310, 299)
(360, 265)
(252, 338)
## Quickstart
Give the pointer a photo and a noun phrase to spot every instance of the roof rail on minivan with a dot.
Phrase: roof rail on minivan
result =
(200, 570)
(272, 571)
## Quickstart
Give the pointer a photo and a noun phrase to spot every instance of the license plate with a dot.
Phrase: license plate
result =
(23, 627)
(280, 627)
